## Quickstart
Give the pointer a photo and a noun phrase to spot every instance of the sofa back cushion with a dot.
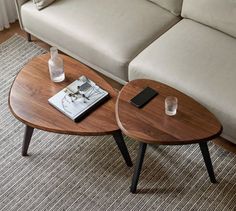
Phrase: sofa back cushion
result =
(219, 14)
(174, 6)
(40, 4)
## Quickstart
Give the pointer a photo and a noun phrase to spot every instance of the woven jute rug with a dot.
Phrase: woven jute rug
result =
(65, 172)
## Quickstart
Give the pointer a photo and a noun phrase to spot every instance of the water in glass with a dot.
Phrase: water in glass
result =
(171, 104)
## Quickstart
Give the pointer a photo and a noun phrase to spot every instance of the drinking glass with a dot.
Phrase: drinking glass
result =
(171, 105)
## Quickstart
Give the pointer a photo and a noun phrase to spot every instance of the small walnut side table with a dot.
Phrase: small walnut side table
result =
(193, 123)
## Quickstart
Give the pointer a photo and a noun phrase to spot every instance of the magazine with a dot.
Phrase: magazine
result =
(79, 98)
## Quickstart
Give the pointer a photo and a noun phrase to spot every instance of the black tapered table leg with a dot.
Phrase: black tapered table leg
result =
(207, 160)
(122, 147)
(27, 137)
(138, 167)
(29, 37)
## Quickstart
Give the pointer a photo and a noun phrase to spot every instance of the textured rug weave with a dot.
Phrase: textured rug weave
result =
(88, 173)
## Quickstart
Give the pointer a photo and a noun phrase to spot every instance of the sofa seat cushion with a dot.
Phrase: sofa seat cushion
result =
(200, 62)
(108, 34)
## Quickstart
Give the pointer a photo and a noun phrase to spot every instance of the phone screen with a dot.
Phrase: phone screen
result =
(144, 97)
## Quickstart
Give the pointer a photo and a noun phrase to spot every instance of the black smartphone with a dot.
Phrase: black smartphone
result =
(143, 97)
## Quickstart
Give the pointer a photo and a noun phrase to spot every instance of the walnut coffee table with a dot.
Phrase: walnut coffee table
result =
(28, 101)
(193, 123)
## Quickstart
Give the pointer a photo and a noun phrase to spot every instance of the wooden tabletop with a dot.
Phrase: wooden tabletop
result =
(193, 123)
(28, 99)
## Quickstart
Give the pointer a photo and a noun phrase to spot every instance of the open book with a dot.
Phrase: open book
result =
(79, 98)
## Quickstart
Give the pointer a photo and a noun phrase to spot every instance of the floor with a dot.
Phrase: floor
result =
(15, 28)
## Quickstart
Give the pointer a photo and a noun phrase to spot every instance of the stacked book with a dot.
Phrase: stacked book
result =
(79, 98)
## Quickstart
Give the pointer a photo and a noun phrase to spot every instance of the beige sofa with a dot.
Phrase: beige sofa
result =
(132, 39)
(104, 34)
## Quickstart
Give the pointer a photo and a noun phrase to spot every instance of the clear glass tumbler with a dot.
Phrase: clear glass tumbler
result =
(171, 105)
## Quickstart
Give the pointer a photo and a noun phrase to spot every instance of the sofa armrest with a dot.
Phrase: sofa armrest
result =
(18, 4)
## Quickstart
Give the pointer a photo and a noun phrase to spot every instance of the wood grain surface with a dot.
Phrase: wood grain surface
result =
(28, 99)
(193, 123)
